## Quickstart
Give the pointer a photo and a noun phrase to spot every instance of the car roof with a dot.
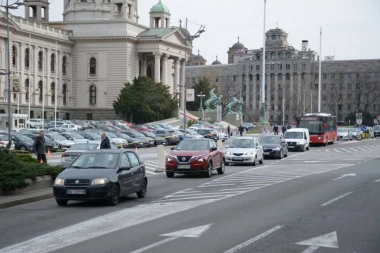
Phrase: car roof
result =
(298, 130)
(116, 151)
(245, 138)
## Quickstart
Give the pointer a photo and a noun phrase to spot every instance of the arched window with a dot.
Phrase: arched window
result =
(27, 58)
(288, 55)
(52, 63)
(64, 63)
(273, 56)
(279, 76)
(52, 91)
(287, 76)
(40, 60)
(272, 77)
(257, 56)
(64, 92)
(27, 89)
(92, 66)
(280, 55)
(92, 94)
(40, 90)
(14, 55)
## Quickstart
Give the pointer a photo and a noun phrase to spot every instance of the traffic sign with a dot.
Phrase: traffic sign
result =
(237, 116)
(359, 121)
(363, 128)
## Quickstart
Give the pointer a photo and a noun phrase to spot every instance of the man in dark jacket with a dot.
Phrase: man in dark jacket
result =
(229, 131)
(283, 129)
(40, 148)
(105, 144)
(241, 130)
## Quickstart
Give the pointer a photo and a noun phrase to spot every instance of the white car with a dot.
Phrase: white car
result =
(69, 127)
(119, 142)
(4, 141)
(222, 136)
(298, 138)
(244, 150)
(344, 134)
(63, 143)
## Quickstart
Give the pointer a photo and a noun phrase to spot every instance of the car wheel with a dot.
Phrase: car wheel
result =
(169, 174)
(115, 195)
(61, 202)
(262, 160)
(307, 148)
(303, 148)
(209, 170)
(286, 154)
(141, 194)
(23, 148)
(281, 155)
(226, 163)
(254, 161)
(222, 169)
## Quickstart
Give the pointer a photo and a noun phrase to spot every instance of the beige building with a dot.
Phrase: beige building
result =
(89, 56)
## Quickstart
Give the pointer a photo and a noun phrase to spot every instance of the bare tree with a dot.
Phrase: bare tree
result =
(369, 91)
(333, 95)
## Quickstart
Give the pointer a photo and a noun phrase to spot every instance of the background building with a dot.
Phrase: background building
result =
(292, 80)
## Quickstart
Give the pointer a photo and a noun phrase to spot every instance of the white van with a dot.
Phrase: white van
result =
(298, 138)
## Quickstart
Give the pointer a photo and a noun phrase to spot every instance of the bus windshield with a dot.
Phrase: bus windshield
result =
(315, 126)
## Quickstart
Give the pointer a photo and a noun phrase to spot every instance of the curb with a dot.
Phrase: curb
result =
(25, 200)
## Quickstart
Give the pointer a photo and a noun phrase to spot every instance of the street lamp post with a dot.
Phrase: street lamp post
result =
(201, 96)
(8, 73)
(263, 109)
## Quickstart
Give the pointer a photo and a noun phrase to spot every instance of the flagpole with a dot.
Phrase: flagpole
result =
(29, 82)
(320, 70)
(56, 84)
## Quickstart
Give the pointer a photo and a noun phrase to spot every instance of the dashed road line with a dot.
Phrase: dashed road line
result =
(336, 199)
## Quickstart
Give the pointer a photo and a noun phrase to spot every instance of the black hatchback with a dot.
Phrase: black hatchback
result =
(102, 175)
(274, 146)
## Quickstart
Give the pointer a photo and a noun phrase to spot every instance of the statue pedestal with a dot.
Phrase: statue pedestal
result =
(232, 119)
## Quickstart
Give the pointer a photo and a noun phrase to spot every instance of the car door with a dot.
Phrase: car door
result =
(137, 170)
(125, 176)
(214, 154)
(259, 149)
(284, 146)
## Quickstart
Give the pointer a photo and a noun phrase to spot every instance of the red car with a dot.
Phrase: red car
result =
(195, 156)
(141, 128)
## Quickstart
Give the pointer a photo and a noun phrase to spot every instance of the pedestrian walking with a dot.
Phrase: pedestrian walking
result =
(241, 130)
(40, 147)
(283, 129)
(275, 129)
(105, 144)
(229, 131)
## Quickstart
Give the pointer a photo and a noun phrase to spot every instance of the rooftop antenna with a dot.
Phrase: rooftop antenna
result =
(277, 24)
(180, 23)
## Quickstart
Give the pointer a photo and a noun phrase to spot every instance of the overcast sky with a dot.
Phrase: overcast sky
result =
(350, 27)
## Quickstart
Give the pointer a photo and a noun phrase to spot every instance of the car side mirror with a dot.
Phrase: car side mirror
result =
(213, 149)
(125, 168)
(173, 148)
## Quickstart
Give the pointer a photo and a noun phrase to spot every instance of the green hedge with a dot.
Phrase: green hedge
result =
(15, 168)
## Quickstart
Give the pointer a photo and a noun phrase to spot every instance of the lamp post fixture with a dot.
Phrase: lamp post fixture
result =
(8, 6)
(188, 38)
(201, 96)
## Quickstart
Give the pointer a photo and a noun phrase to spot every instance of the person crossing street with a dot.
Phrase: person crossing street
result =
(40, 147)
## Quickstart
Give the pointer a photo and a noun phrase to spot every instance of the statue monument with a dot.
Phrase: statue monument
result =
(235, 104)
(213, 100)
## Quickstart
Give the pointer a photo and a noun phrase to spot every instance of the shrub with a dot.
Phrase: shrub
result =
(16, 168)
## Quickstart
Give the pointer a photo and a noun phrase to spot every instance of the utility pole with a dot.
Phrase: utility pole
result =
(263, 109)
(320, 71)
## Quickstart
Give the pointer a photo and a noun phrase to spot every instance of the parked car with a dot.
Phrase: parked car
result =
(77, 138)
(168, 135)
(247, 126)
(354, 132)
(376, 131)
(49, 144)
(274, 146)
(191, 134)
(344, 134)
(70, 127)
(34, 123)
(119, 142)
(147, 141)
(208, 133)
(4, 139)
(371, 132)
(63, 143)
(244, 150)
(132, 142)
(195, 156)
(141, 128)
(102, 175)
(77, 149)
(91, 136)
(157, 140)
(22, 142)
(298, 138)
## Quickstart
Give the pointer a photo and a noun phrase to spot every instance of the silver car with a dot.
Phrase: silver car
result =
(344, 134)
(77, 149)
(63, 143)
(244, 150)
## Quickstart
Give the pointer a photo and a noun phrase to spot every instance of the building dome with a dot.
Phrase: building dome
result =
(160, 7)
(198, 57)
(238, 45)
(216, 62)
(185, 32)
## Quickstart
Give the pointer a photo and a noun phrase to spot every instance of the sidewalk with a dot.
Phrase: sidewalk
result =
(25, 197)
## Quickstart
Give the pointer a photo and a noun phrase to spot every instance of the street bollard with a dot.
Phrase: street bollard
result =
(161, 158)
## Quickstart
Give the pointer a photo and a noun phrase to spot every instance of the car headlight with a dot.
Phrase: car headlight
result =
(201, 159)
(299, 142)
(276, 148)
(228, 153)
(168, 159)
(59, 181)
(249, 153)
(100, 181)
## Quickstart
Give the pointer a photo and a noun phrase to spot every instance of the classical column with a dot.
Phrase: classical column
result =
(165, 69)
(35, 81)
(59, 80)
(144, 65)
(22, 95)
(176, 72)
(183, 83)
(48, 92)
(276, 102)
(157, 67)
(291, 98)
(138, 58)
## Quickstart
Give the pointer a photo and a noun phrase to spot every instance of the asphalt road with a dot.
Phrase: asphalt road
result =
(324, 200)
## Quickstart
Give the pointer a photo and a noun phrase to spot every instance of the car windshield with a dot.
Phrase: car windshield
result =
(95, 136)
(342, 130)
(58, 137)
(77, 136)
(111, 135)
(270, 139)
(193, 145)
(293, 135)
(242, 143)
(138, 134)
(96, 161)
(149, 134)
(84, 146)
(23, 137)
(192, 132)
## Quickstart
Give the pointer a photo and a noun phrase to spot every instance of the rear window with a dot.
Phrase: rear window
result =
(376, 128)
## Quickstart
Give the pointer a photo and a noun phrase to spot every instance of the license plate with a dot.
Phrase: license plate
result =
(75, 192)
(266, 153)
(237, 159)
(291, 146)
(183, 166)
(55, 147)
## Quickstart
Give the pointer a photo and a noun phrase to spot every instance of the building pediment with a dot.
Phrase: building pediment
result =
(169, 35)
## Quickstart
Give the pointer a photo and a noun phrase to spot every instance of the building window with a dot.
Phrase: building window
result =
(324, 86)
(316, 86)
(93, 94)
(303, 66)
(272, 97)
(234, 78)
(279, 66)
(52, 63)
(287, 66)
(287, 76)
(348, 107)
(303, 76)
(280, 77)
(324, 76)
(273, 37)
(272, 77)
(64, 63)
(258, 56)
(64, 93)
(272, 67)
(40, 60)
(349, 96)
(257, 77)
(27, 58)
(295, 66)
(357, 75)
(288, 55)
(316, 76)
(341, 76)
(280, 55)
(332, 76)
(92, 66)
(40, 90)
(349, 86)
(250, 67)
(217, 80)
(257, 67)
(357, 86)
(374, 107)
(250, 77)
(52, 91)
(14, 56)
(273, 56)
(341, 86)
(27, 89)
(89, 116)
(349, 75)
(340, 107)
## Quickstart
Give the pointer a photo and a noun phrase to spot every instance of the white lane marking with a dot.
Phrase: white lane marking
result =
(348, 151)
(149, 172)
(237, 189)
(377, 181)
(101, 225)
(220, 195)
(312, 161)
(329, 240)
(254, 239)
(336, 199)
(345, 175)
(203, 186)
(188, 233)
(337, 150)
(193, 194)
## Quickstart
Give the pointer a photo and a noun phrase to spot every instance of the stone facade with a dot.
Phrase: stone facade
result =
(292, 80)
(89, 56)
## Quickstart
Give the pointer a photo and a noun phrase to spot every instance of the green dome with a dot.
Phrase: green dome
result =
(160, 7)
